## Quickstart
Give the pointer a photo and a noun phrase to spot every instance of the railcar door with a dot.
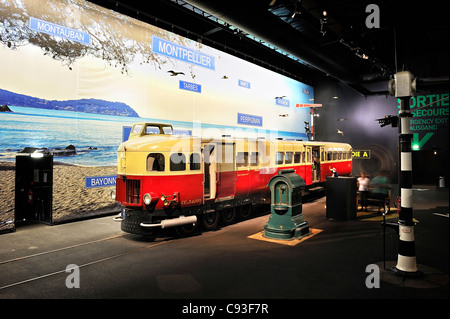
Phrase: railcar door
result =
(225, 170)
(308, 168)
(316, 160)
(209, 171)
(218, 170)
(322, 172)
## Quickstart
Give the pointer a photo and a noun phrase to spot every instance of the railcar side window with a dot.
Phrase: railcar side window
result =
(167, 130)
(279, 158)
(155, 162)
(288, 158)
(254, 159)
(177, 162)
(242, 159)
(150, 129)
(297, 157)
(194, 162)
(136, 128)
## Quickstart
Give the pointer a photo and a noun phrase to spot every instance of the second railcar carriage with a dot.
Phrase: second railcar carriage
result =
(168, 180)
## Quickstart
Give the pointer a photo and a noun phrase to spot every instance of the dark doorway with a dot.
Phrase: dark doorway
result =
(34, 186)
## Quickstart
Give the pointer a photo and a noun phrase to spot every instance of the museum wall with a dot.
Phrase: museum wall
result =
(356, 116)
(75, 74)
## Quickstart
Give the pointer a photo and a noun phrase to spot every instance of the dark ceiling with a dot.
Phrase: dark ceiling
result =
(411, 37)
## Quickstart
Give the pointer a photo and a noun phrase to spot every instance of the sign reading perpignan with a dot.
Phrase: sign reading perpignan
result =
(248, 119)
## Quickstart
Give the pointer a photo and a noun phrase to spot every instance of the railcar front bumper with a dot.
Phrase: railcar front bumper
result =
(138, 222)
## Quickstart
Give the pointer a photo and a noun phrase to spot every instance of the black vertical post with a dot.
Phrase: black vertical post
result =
(406, 262)
(404, 86)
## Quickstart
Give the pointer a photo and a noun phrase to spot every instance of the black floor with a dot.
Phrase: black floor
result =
(226, 264)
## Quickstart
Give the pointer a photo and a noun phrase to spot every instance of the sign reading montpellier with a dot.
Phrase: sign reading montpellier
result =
(179, 52)
(60, 31)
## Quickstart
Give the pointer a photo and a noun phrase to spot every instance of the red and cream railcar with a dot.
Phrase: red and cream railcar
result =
(168, 180)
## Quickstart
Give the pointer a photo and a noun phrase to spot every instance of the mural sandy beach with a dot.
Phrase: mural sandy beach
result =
(71, 200)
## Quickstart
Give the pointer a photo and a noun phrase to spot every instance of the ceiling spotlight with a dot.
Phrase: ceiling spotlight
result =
(362, 56)
(295, 13)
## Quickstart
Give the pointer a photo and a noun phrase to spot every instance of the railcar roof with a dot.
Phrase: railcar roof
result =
(174, 143)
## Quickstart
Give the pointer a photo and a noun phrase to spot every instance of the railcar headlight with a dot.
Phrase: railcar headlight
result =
(113, 194)
(164, 200)
(169, 199)
(147, 199)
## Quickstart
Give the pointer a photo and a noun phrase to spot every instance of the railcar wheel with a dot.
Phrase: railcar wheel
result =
(245, 211)
(228, 215)
(188, 229)
(210, 221)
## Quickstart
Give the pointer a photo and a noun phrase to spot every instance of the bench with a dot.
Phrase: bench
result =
(374, 199)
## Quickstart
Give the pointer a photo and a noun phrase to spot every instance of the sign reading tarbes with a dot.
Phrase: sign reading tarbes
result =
(429, 113)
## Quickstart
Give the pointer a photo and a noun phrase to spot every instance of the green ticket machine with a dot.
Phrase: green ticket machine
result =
(286, 221)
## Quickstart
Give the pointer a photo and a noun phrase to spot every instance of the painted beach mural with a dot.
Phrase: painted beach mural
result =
(75, 76)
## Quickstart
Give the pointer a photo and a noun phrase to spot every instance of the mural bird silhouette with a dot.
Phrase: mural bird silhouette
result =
(173, 73)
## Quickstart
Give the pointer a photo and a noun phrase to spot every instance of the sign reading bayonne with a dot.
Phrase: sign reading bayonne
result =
(100, 181)
(182, 53)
